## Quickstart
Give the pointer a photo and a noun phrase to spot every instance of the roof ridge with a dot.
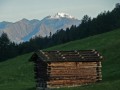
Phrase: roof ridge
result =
(71, 55)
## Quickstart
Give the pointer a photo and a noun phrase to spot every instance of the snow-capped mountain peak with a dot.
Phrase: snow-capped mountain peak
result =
(60, 15)
(63, 15)
(25, 29)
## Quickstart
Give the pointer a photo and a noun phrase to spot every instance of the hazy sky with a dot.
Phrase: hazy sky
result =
(14, 10)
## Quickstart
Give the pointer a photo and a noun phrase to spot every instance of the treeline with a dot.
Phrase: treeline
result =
(104, 22)
(7, 48)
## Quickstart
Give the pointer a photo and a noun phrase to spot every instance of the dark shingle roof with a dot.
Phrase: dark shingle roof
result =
(63, 56)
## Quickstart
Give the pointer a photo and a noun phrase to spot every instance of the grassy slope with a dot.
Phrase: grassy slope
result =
(17, 73)
(108, 44)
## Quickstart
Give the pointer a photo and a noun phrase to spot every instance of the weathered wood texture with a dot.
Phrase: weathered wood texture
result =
(59, 74)
(67, 68)
(73, 73)
(63, 56)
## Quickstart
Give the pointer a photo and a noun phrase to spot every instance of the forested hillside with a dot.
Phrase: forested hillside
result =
(18, 74)
(104, 22)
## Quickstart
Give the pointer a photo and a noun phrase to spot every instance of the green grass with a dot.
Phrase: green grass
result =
(17, 73)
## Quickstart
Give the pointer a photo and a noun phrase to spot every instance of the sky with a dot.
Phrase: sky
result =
(15, 10)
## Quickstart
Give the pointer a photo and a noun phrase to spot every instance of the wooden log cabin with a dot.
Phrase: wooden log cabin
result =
(54, 69)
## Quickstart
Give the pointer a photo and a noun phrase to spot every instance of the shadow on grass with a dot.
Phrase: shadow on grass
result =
(33, 88)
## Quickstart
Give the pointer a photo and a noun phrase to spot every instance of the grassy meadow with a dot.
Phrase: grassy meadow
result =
(18, 74)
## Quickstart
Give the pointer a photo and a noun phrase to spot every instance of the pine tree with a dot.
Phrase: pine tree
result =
(4, 43)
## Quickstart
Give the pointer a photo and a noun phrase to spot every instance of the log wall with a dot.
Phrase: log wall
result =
(73, 73)
(66, 68)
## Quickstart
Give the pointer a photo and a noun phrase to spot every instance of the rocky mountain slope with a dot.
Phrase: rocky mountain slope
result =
(24, 29)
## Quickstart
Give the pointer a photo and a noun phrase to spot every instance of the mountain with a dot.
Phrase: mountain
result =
(24, 29)
(18, 30)
(56, 22)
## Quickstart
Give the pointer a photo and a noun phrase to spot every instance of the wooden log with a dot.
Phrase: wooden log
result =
(71, 63)
(73, 71)
(74, 78)
(75, 68)
(69, 82)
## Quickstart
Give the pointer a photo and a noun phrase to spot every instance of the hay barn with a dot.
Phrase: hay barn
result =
(54, 69)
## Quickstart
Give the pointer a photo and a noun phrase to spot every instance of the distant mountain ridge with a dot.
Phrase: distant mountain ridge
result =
(24, 29)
